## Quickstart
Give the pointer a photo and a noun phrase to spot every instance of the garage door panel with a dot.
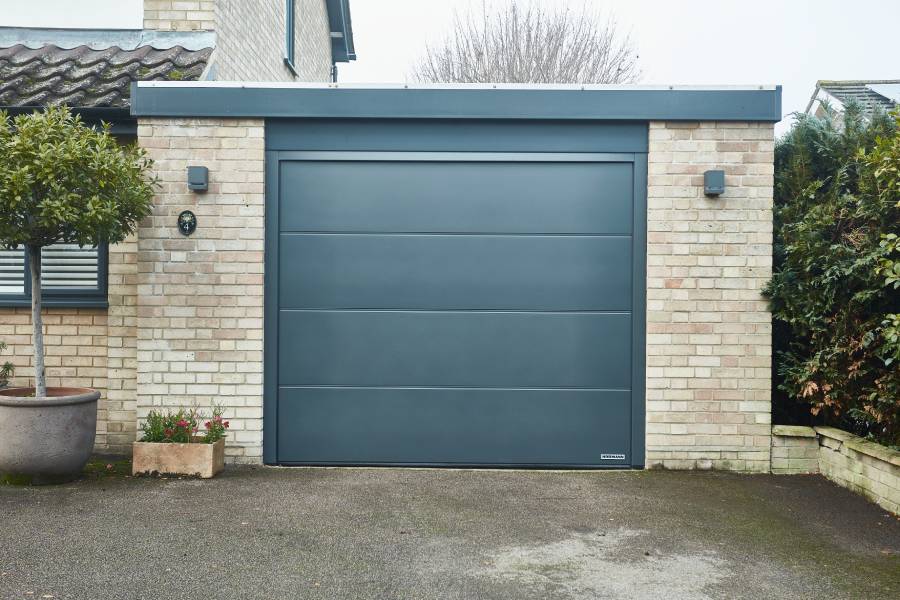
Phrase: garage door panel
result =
(453, 426)
(473, 349)
(448, 197)
(455, 272)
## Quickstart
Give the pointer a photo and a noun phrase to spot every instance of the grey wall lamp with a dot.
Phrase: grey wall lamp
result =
(714, 183)
(198, 179)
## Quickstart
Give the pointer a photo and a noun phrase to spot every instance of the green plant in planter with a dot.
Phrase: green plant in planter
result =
(6, 370)
(182, 427)
(64, 182)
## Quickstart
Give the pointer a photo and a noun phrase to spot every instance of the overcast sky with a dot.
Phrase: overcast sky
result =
(788, 42)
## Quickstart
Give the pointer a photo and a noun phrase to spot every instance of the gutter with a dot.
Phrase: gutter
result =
(120, 120)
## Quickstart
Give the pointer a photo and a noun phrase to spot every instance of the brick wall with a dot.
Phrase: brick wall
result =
(250, 36)
(795, 450)
(865, 467)
(708, 328)
(121, 347)
(250, 41)
(75, 342)
(179, 15)
(199, 318)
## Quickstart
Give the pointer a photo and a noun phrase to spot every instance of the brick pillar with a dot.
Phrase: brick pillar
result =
(708, 327)
(200, 298)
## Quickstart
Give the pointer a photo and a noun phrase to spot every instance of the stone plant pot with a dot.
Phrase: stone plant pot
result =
(48, 439)
(198, 459)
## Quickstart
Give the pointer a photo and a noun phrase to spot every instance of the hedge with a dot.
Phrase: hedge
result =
(835, 291)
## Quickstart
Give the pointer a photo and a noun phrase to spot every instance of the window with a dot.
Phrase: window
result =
(70, 276)
(289, 35)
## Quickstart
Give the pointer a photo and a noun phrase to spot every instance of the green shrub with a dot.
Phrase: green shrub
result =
(6, 369)
(182, 427)
(835, 292)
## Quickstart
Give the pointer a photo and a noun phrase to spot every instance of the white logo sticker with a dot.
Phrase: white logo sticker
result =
(612, 457)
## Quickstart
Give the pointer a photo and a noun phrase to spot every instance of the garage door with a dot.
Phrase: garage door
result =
(460, 307)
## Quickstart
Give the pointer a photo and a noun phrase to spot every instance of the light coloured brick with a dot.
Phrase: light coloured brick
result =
(702, 255)
(199, 318)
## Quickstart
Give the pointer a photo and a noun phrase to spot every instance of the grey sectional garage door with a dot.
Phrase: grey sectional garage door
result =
(452, 308)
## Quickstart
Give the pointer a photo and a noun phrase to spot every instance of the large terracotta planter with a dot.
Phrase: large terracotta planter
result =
(47, 439)
(197, 459)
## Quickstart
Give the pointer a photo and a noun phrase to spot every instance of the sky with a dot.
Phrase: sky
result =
(793, 43)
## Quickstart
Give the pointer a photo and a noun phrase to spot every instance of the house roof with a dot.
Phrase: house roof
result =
(342, 47)
(870, 95)
(88, 77)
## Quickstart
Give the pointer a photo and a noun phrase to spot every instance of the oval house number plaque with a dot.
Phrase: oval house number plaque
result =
(187, 222)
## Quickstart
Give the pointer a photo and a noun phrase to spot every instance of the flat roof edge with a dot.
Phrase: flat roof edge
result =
(631, 103)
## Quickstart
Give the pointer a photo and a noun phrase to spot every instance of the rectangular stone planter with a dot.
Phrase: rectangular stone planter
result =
(198, 459)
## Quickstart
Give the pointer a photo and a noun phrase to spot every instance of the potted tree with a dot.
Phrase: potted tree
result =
(60, 182)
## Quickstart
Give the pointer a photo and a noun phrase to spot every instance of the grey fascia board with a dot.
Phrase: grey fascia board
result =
(121, 123)
(616, 103)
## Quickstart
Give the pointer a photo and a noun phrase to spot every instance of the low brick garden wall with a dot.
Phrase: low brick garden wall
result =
(850, 461)
(795, 450)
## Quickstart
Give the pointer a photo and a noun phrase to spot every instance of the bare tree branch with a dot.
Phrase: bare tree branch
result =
(524, 42)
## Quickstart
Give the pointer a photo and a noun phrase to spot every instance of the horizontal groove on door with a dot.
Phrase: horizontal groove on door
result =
(458, 233)
(441, 387)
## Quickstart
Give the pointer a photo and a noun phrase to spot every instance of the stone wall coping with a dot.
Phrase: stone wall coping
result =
(835, 434)
(861, 445)
(793, 431)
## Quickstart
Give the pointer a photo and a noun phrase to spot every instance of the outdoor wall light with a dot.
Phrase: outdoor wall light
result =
(198, 179)
(714, 183)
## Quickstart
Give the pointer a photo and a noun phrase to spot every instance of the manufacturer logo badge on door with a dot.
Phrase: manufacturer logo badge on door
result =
(612, 457)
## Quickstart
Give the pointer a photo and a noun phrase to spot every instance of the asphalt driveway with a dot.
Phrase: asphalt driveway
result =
(389, 533)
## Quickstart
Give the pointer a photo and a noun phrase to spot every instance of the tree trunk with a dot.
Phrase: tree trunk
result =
(40, 377)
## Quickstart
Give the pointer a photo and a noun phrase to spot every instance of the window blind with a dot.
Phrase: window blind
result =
(67, 271)
(12, 271)
(68, 266)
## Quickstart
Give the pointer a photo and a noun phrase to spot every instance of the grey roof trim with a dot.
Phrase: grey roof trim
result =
(617, 103)
(342, 48)
(100, 39)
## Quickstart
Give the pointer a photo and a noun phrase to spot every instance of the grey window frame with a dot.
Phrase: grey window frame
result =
(289, 36)
(75, 297)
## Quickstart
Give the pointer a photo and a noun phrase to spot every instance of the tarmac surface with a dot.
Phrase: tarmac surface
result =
(257, 532)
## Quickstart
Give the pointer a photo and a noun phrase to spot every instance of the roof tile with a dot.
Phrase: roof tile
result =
(81, 76)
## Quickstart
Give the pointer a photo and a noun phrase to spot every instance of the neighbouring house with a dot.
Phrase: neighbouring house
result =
(870, 95)
(90, 321)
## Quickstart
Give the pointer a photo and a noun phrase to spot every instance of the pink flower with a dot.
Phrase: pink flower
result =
(182, 423)
(207, 424)
(168, 432)
(225, 424)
